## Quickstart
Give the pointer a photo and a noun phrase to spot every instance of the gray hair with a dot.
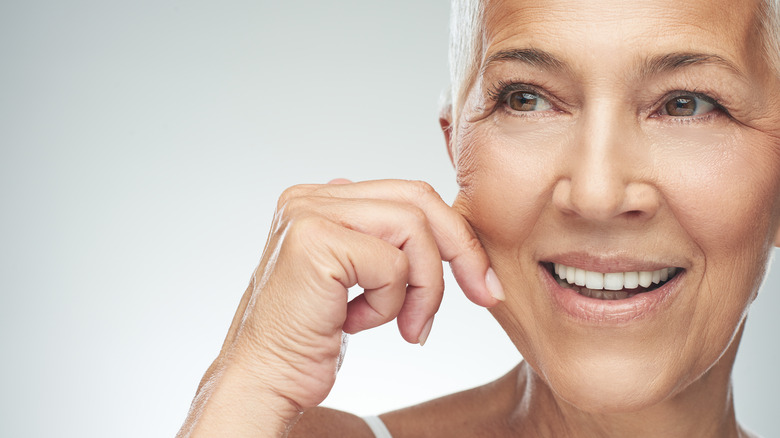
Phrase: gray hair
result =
(467, 40)
(770, 27)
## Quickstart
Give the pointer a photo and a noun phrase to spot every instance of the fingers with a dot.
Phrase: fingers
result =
(411, 217)
(384, 288)
(340, 181)
(402, 227)
(456, 241)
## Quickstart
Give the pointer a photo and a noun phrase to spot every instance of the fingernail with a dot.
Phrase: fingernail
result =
(426, 331)
(494, 286)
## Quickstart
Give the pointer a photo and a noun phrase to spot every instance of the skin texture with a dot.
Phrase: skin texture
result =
(282, 351)
(599, 173)
(605, 174)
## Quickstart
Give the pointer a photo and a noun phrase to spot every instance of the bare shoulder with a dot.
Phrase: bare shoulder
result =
(324, 423)
(475, 412)
(478, 411)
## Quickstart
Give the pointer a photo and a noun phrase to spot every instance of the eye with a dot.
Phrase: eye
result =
(687, 105)
(526, 101)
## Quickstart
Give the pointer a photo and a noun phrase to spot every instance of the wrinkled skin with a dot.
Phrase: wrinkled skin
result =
(602, 133)
(604, 172)
(282, 351)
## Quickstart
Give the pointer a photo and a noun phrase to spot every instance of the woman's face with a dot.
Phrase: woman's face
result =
(622, 138)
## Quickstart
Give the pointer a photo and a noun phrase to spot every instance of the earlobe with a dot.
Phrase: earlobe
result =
(445, 121)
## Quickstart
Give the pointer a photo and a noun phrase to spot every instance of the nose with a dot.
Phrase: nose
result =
(607, 172)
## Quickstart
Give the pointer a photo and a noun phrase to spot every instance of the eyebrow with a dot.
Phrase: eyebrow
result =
(532, 57)
(676, 61)
(652, 66)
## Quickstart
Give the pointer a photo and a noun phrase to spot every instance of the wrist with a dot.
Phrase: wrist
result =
(235, 403)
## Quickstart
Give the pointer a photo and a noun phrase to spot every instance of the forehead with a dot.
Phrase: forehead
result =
(607, 30)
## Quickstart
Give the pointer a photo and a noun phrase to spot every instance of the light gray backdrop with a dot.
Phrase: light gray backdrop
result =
(143, 147)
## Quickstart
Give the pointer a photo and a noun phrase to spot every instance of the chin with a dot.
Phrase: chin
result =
(619, 378)
(609, 391)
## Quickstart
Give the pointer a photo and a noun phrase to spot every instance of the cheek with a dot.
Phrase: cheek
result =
(722, 190)
(506, 178)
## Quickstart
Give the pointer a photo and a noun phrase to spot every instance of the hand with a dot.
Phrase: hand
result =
(388, 237)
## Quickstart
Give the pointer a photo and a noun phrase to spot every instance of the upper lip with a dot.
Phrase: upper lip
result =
(617, 261)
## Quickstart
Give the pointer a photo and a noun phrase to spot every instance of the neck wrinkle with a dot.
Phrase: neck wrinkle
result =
(705, 408)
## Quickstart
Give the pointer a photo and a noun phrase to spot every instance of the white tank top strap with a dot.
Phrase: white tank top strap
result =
(377, 426)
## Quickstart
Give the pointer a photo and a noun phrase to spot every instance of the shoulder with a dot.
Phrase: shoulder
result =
(447, 416)
(325, 423)
(478, 411)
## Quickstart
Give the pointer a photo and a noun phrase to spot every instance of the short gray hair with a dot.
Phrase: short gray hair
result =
(466, 40)
(770, 27)
(467, 31)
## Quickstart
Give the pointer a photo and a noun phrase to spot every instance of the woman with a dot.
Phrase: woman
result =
(619, 173)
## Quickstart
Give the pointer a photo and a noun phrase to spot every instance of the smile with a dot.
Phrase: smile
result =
(612, 285)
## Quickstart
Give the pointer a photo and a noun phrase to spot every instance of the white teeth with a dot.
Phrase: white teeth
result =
(570, 273)
(612, 281)
(645, 278)
(594, 280)
(631, 280)
(579, 277)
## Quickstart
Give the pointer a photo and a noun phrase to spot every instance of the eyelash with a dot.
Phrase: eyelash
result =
(717, 106)
(499, 93)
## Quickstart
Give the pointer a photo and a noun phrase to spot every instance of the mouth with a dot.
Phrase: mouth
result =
(610, 285)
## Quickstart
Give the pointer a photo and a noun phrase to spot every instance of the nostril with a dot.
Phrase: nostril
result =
(634, 214)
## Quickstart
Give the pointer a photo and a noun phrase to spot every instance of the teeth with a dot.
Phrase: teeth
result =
(614, 281)
(645, 278)
(570, 274)
(579, 277)
(606, 295)
(631, 280)
(611, 281)
(594, 280)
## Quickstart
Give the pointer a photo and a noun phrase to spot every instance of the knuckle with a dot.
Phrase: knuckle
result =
(297, 206)
(400, 266)
(415, 215)
(308, 225)
(292, 193)
(423, 189)
(471, 243)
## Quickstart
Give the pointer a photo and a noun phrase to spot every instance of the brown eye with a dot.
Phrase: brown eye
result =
(525, 101)
(686, 106)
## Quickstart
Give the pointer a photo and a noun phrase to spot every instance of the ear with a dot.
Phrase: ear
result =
(445, 121)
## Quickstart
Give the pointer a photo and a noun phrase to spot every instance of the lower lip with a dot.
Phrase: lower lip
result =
(610, 312)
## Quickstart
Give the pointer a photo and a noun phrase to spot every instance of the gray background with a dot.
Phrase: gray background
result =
(143, 147)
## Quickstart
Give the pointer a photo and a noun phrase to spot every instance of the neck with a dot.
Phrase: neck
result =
(705, 408)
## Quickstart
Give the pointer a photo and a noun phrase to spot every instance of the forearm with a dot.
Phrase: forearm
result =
(231, 403)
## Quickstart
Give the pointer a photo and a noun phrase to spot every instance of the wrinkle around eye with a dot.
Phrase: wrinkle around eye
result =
(478, 113)
(500, 76)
